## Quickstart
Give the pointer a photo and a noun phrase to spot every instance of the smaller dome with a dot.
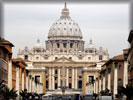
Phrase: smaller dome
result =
(91, 44)
(37, 45)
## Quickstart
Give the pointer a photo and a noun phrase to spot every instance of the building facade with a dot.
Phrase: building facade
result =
(5, 58)
(60, 64)
(114, 74)
(130, 58)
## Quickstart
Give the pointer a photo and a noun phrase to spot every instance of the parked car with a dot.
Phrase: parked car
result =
(105, 98)
(47, 97)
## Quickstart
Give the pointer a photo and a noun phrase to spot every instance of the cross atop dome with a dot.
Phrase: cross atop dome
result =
(38, 40)
(90, 41)
(65, 5)
(65, 12)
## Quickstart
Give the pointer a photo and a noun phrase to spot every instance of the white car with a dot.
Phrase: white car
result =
(47, 97)
(105, 98)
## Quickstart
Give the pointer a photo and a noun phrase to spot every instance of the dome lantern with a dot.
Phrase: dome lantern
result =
(65, 12)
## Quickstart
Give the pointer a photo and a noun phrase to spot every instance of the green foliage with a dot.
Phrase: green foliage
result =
(95, 95)
(24, 94)
(128, 91)
(2, 85)
(27, 95)
(105, 92)
(8, 93)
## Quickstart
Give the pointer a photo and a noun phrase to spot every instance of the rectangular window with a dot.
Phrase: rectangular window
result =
(89, 58)
(70, 71)
(119, 82)
(47, 84)
(56, 86)
(58, 45)
(56, 57)
(71, 45)
(70, 57)
(100, 57)
(26, 57)
(56, 71)
(120, 67)
(80, 58)
(64, 45)
(79, 84)
(70, 85)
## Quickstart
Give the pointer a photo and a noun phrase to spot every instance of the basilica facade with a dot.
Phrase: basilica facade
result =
(64, 65)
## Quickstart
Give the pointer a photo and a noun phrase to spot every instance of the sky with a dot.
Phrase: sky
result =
(106, 24)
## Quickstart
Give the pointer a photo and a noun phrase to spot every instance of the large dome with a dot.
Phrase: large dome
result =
(65, 26)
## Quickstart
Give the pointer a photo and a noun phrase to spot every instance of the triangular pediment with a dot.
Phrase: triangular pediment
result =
(63, 59)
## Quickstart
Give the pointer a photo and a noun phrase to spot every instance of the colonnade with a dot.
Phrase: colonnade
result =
(74, 77)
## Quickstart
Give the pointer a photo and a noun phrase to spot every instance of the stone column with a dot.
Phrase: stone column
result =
(115, 79)
(10, 74)
(37, 87)
(68, 46)
(58, 78)
(67, 77)
(30, 80)
(104, 81)
(43, 88)
(17, 80)
(49, 78)
(73, 78)
(61, 44)
(33, 85)
(53, 78)
(99, 84)
(96, 85)
(27, 81)
(109, 79)
(76, 78)
(22, 79)
(125, 77)
(54, 45)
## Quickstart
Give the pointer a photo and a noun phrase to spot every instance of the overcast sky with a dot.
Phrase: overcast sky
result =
(106, 24)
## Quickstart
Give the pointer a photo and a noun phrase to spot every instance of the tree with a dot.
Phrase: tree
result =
(2, 85)
(128, 91)
(24, 94)
(8, 93)
(105, 92)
